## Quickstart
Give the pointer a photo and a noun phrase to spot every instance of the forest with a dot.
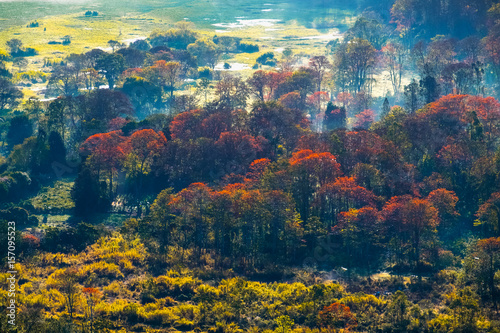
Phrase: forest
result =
(348, 186)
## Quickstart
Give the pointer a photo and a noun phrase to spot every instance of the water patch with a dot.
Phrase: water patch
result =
(327, 37)
(248, 23)
(235, 66)
(131, 40)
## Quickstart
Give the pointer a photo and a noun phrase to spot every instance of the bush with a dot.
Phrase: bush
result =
(175, 286)
(248, 47)
(103, 270)
(204, 72)
(267, 59)
(67, 239)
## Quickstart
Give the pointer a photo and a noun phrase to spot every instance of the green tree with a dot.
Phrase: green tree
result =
(112, 66)
(20, 128)
(57, 150)
(14, 45)
(10, 95)
(206, 52)
(89, 194)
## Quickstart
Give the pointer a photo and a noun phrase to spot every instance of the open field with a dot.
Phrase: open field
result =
(268, 25)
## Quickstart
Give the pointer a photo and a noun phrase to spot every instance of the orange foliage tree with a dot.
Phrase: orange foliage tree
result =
(337, 316)
(339, 196)
(310, 171)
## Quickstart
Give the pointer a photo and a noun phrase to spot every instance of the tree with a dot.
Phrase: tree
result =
(310, 171)
(103, 105)
(105, 153)
(92, 297)
(206, 52)
(266, 59)
(341, 195)
(141, 45)
(490, 248)
(65, 80)
(57, 151)
(445, 202)
(232, 91)
(319, 65)
(364, 119)
(258, 84)
(178, 38)
(31, 155)
(335, 117)
(68, 285)
(133, 57)
(488, 215)
(345, 98)
(292, 101)
(429, 88)
(192, 204)
(9, 94)
(465, 308)
(143, 94)
(14, 45)
(420, 218)
(114, 44)
(301, 81)
(398, 311)
(412, 222)
(166, 73)
(142, 147)
(112, 65)
(159, 226)
(337, 315)
(412, 100)
(316, 101)
(394, 58)
(370, 29)
(93, 56)
(353, 62)
(470, 48)
(275, 123)
(361, 235)
(89, 194)
(237, 150)
(187, 125)
(56, 115)
(285, 324)
(386, 108)
(20, 128)
(430, 18)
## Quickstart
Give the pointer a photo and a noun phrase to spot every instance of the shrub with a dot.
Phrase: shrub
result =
(248, 47)
(102, 269)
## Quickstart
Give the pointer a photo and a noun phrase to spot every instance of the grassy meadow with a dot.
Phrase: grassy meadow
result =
(273, 26)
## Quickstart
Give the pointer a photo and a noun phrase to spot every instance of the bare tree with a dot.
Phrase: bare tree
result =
(319, 64)
(68, 286)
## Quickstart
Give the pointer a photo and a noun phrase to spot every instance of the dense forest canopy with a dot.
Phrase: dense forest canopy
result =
(341, 173)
